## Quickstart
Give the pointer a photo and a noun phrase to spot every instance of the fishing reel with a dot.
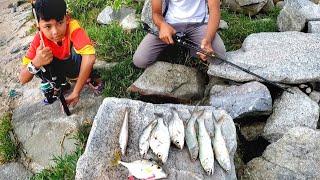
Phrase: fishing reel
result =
(179, 37)
(47, 89)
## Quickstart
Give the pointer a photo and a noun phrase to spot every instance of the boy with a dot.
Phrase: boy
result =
(188, 16)
(66, 50)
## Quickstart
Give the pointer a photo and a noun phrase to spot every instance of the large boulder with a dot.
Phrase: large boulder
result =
(44, 131)
(107, 15)
(13, 171)
(249, 99)
(291, 110)
(102, 145)
(171, 81)
(286, 57)
(249, 7)
(314, 27)
(295, 156)
(296, 13)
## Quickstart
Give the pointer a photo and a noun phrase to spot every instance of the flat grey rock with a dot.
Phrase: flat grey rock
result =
(96, 162)
(14, 171)
(249, 99)
(41, 128)
(296, 13)
(291, 110)
(295, 156)
(314, 26)
(286, 57)
(168, 80)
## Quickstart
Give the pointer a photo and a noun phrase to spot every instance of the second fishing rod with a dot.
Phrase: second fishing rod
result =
(181, 39)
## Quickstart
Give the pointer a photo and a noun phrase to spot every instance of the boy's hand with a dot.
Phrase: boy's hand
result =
(72, 99)
(207, 47)
(43, 57)
(165, 33)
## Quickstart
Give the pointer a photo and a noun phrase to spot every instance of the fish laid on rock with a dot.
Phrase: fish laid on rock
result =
(160, 140)
(206, 155)
(219, 145)
(145, 169)
(144, 138)
(124, 134)
(191, 135)
(176, 129)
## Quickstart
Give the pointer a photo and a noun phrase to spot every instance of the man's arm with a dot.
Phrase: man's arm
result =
(85, 70)
(165, 30)
(214, 19)
(213, 25)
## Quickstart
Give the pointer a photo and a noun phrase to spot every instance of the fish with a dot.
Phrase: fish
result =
(219, 145)
(124, 134)
(191, 135)
(144, 169)
(144, 138)
(176, 129)
(206, 155)
(160, 140)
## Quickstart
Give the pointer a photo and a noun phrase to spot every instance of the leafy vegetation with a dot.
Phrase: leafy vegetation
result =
(241, 26)
(8, 149)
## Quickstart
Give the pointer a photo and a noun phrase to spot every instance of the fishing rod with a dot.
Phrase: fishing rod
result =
(46, 85)
(180, 39)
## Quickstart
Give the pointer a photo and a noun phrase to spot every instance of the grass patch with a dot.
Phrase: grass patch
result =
(8, 149)
(119, 78)
(65, 166)
(113, 44)
(241, 26)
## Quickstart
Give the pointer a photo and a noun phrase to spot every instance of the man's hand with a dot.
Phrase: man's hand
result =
(72, 99)
(207, 47)
(166, 32)
(43, 57)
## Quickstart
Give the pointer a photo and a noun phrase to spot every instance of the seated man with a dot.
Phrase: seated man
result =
(188, 16)
(61, 47)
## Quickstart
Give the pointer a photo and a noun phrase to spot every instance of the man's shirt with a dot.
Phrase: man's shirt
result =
(187, 11)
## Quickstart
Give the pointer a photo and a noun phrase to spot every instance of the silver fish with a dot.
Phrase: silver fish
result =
(219, 145)
(176, 129)
(206, 155)
(144, 138)
(191, 135)
(124, 134)
(145, 169)
(160, 140)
